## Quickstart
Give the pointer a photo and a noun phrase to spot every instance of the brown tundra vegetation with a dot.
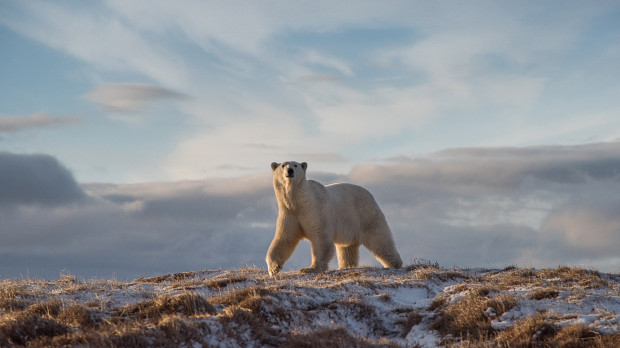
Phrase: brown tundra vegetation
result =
(421, 305)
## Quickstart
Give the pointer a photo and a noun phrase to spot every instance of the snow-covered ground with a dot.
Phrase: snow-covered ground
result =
(356, 307)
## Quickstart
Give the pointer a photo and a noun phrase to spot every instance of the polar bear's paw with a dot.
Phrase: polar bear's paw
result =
(274, 268)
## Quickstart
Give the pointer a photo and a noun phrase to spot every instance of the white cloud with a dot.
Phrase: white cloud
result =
(225, 146)
(314, 57)
(99, 38)
(242, 26)
(344, 112)
(12, 124)
(126, 97)
(246, 27)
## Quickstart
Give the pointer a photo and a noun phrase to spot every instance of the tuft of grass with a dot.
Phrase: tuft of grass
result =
(20, 328)
(470, 317)
(179, 331)
(76, 315)
(49, 308)
(526, 332)
(12, 296)
(186, 304)
(540, 294)
(434, 272)
(236, 296)
(218, 284)
(514, 277)
(438, 303)
(574, 275)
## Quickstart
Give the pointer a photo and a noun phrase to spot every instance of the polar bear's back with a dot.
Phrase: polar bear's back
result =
(344, 193)
(355, 211)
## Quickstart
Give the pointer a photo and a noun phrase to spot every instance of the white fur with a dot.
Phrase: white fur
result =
(342, 214)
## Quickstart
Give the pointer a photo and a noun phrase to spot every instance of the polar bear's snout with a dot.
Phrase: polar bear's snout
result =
(290, 173)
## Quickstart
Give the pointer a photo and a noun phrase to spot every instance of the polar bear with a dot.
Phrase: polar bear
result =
(342, 214)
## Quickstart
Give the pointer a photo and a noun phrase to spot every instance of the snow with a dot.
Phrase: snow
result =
(423, 336)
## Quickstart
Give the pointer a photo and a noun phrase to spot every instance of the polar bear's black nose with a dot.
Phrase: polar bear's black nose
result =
(290, 172)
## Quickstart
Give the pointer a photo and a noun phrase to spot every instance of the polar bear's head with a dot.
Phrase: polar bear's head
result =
(289, 172)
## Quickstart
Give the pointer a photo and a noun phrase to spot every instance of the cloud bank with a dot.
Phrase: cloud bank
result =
(489, 207)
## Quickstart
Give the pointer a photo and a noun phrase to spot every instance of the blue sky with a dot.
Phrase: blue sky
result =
(341, 83)
(150, 94)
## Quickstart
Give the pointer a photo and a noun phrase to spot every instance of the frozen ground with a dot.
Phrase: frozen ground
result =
(421, 305)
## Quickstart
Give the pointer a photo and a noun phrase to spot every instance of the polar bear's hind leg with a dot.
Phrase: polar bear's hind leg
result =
(348, 256)
(381, 245)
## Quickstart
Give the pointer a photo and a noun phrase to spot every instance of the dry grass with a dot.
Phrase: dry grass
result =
(537, 331)
(20, 328)
(39, 313)
(568, 277)
(337, 337)
(470, 318)
(187, 304)
(540, 294)
(176, 277)
(409, 322)
(363, 307)
(237, 296)
(12, 297)
(434, 272)
(467, 321)
(218, 284)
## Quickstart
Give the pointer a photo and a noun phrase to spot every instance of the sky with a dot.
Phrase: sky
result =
(136, 136)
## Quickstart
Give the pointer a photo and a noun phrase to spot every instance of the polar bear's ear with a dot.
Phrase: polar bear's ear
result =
(304, 165)
(274, 165)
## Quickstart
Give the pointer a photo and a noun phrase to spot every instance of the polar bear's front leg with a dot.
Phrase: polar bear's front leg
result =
(283, 244)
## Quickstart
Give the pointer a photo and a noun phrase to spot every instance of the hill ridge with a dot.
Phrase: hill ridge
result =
(420, 305)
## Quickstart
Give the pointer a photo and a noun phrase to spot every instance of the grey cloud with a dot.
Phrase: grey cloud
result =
(543, 205)
(497, 170)
(198, 201)
(128, 97)
(572, 164)
(138, 230)
(36, 179)
(13, 124)
(590, 220)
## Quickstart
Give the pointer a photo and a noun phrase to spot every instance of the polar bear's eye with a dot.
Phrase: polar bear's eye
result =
(295, 166)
